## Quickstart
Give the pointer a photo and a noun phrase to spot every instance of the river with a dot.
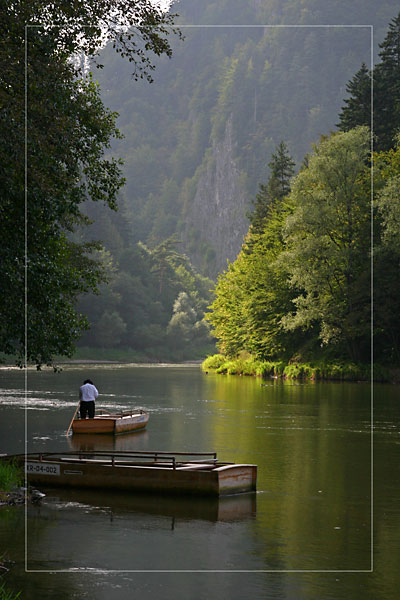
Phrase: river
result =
(319, 527)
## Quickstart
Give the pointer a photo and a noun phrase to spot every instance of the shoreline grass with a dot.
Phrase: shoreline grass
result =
(11, 476)
(314, 371)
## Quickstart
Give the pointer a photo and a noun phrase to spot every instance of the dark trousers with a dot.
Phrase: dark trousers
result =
(87, 407)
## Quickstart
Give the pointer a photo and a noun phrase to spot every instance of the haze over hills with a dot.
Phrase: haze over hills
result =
(199, 138)
(197, 144)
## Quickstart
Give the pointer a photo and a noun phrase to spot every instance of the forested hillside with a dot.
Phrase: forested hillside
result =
(197, 143)
(199, 138)
(315, 281)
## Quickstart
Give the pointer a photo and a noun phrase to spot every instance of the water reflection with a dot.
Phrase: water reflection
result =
(312, 444)
(229, 508)
(108, 441)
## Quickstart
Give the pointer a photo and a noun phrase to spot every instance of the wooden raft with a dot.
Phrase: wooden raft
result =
(161, 472)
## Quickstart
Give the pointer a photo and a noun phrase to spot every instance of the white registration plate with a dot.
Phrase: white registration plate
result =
(42, 468)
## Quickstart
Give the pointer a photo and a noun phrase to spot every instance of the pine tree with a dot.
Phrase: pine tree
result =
(386, 85)
(387, 89)
(282, 169)
(278, 186)
(357, 108)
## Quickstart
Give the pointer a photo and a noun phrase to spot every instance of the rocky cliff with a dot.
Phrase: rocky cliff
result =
(217, 217)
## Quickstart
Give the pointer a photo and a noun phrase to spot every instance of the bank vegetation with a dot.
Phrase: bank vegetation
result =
(315, 286)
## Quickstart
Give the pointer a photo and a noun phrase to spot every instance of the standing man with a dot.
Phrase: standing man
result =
(87, 395)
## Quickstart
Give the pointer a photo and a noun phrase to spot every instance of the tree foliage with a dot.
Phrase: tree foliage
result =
(304, 290)
(387, 88)
(327, 242)
(254, 294)
(357, 106)
(54, 123)
(155, 298)
(304, 270)
(387, 255)
(269, 83)
(281, 171)
(386, 93)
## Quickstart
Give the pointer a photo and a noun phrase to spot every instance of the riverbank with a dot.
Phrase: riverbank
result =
(133, 356)
(10, 495)
(121, 355)
(12, 491)
(87, 355)
(336, 371)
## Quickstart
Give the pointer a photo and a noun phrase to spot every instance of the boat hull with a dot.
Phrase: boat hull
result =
(191, 478)
(111, 423)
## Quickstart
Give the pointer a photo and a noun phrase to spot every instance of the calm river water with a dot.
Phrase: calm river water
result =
(316, 528)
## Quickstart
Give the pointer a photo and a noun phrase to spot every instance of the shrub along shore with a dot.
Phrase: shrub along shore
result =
(339, 371)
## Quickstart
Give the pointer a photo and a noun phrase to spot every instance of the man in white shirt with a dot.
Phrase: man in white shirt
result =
(87, 395)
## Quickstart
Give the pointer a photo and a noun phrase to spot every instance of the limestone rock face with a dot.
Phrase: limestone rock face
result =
(218, 211)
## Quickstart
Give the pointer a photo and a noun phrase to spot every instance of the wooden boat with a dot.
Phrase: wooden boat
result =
(144, 471)
(112, 423)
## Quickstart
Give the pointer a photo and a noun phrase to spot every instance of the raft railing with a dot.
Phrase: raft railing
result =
(126, 458)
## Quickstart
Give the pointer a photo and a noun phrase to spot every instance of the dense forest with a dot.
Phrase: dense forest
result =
(190, 140)
(55, 134)
(198, 142)
(300, 290)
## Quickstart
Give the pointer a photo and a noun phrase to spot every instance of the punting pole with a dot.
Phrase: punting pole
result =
(70, 425)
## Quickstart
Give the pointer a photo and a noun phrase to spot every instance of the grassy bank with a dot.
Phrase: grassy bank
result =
(11, 476)
(338, 371)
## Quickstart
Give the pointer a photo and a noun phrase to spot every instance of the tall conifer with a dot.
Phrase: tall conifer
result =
(282, 169)
(357, 107)
(387, 89)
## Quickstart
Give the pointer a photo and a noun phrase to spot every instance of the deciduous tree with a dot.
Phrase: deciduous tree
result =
(54, 130)
(328, 243)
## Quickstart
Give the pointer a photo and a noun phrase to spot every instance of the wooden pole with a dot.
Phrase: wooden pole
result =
(70, 425)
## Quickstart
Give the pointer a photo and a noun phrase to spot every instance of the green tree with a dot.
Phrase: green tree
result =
(66, 137)
(187, 324)
(253, 295)
(110, 329)
(328, 243)
(165, 257)
(387, 257)
(68, 130)
(268, 294)
(357, 107)
(133, 292)
(386, 93)
(227, 315)
(387, 88)
(281, 171)
(183, 319)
